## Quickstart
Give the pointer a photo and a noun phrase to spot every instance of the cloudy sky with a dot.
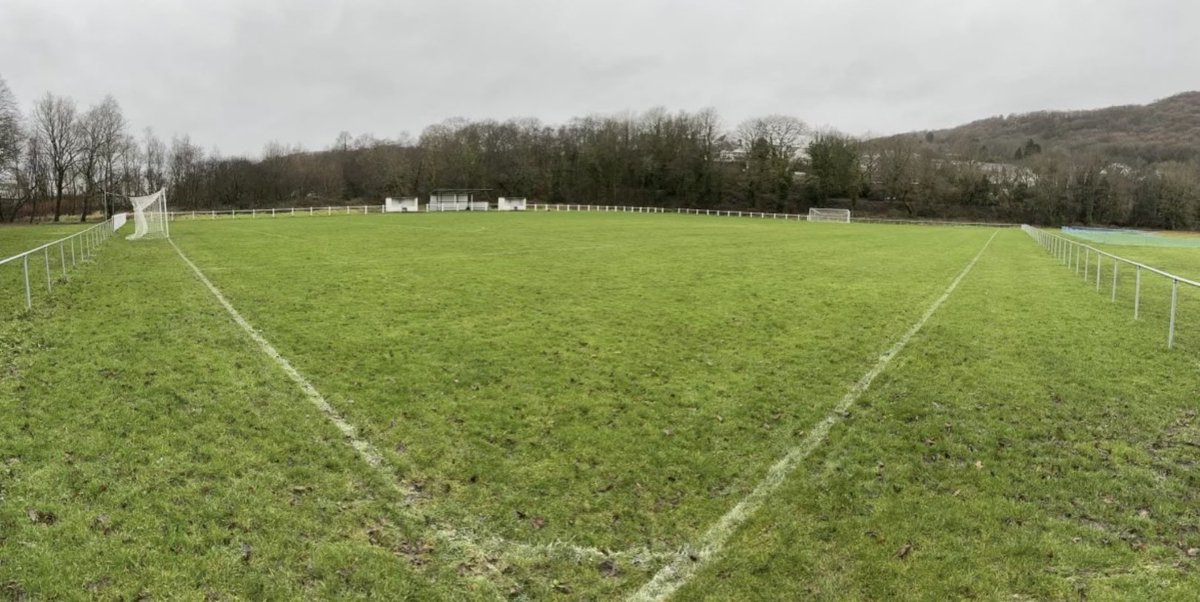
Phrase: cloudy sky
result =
(236, 74)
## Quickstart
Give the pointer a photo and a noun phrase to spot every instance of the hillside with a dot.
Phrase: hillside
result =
(1165, 130)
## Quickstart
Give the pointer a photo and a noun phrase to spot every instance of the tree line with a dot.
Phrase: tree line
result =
(59, 160)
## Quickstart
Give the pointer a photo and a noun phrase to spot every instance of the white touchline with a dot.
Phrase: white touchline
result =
(364, 449)
(371, 455)
(692, 557)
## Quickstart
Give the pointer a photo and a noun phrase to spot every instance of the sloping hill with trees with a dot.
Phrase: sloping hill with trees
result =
(1165, 130)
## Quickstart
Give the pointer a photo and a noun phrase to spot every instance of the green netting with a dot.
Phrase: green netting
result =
(1135, 238)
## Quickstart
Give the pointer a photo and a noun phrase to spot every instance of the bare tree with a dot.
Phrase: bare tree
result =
(185, 162)
(784, 135)
(110, 125)
(10, 131)
(33, 176)
(10, 154)
(130, 181)
(54, 119)
(899, 169)
(88, 160)
(156, 161)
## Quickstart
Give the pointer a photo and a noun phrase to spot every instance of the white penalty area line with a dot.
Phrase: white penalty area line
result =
(689, 560)
(370, 454)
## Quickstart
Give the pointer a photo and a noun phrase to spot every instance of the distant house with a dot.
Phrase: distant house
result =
(733, 155)
(1007, 173)
(998, 173)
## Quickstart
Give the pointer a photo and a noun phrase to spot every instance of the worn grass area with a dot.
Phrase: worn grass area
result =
(611, 380)
(1031, 444)
(147, 448)
(616, 381)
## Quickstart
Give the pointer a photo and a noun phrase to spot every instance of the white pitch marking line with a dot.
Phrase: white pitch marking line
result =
(364, 449)
(692, 557)
(372, 457)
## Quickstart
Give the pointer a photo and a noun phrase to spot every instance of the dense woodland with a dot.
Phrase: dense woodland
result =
(1135, 166)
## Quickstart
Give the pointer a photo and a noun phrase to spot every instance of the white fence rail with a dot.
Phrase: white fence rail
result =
(367, 209)
(276, 212)
(61, 255)
(1089, 262)
(754, 214)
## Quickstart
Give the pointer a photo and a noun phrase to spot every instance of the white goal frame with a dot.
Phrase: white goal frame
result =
(401, 205)
(823, 214)
(150, 216)
(510, 204)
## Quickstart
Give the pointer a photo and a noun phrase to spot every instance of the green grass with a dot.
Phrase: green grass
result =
(1180, 261)
(15, 238)
(621, 378)
(616, 381)
(1156, 290)
(1031, 444)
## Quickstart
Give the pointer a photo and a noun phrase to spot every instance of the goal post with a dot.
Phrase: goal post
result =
(150, 216)
(401, 205)
(511, 204)
(820, 214)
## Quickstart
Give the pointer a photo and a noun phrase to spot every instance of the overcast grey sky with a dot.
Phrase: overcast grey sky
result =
(236, 74)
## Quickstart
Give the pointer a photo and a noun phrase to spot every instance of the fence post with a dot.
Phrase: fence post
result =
(46, 252)
(1116, 269)
(1137, 290)
(28, 291)
(1174, 297)
(1098, 258)
(62, 257)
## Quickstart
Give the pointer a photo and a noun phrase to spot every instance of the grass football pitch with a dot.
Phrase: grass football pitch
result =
(580, 406)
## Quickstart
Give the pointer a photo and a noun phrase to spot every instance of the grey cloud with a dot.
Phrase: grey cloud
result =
(238, 74)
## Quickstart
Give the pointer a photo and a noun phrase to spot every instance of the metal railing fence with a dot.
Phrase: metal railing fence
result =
(1089, 262)
(59, 256)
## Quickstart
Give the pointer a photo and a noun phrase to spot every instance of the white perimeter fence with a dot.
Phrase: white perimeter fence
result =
(368, 209)
(276, 212)
(1090, 262)
(754, 214)
(56, 258)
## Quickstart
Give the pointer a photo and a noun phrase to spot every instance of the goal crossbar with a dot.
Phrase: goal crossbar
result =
(822, 214)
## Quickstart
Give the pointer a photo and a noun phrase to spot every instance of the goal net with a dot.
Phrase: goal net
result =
(150, 216)
(403, 205)
(818, 214)
(510, 204)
